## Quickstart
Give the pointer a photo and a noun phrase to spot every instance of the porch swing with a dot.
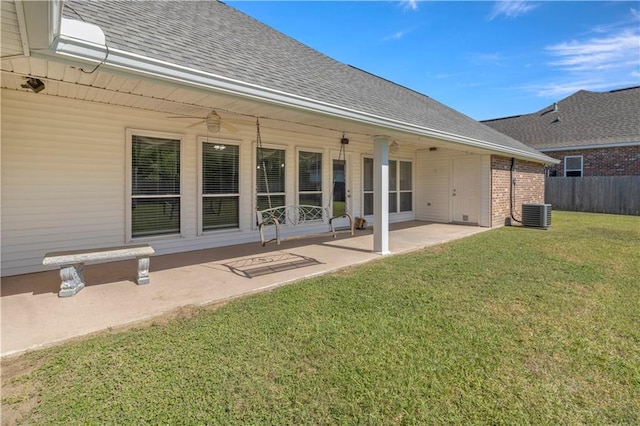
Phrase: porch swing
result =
(295, 215)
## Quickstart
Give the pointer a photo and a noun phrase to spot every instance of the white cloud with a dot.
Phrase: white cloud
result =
(400, 33)
(612, 51)
(556, 90)
(609, 58)
(494, 59)
(511, 8)
(395, 36)
(409, 4)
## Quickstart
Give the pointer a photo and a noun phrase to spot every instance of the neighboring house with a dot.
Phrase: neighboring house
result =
(592, 133)
(92, 154)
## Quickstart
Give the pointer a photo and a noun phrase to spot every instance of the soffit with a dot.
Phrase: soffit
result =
(67, 81)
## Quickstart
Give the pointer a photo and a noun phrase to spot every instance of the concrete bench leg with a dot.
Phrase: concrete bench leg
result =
(72, 279)
(143, 271)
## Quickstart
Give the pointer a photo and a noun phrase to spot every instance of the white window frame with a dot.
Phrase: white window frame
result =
(254, 185)
(128, 179)
(394, 191)
(201, 195)
(322, 173)
(581, 169)
(366, 157)
(397, 191)
(401, 191)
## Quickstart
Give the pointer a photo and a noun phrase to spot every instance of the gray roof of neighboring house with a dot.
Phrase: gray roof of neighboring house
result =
(582, 119)
(212, 37)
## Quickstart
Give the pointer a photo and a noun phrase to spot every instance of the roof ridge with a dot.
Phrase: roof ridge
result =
(503, 118)
(624, 88)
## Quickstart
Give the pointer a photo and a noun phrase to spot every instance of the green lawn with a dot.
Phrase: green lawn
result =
(511, 326)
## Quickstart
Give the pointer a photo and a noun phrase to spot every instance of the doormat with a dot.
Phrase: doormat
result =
(270, 264)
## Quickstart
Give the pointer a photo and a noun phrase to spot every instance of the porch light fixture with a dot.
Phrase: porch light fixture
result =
(394, 147)
(34, 84)
(213, 122)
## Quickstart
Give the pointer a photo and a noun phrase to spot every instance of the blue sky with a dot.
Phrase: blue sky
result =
(485, 59)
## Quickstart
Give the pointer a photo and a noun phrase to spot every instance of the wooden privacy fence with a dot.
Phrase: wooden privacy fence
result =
(594, 194)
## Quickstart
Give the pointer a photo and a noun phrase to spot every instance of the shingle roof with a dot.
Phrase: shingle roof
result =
(584, 118)
(212, 37)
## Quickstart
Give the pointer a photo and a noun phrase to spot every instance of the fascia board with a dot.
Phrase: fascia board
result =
(22, 27)
(75, 49)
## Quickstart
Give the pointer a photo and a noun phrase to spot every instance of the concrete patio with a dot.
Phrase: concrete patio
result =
(33, 316)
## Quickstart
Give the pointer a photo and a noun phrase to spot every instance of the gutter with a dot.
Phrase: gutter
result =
(597, 146)
(79, 42)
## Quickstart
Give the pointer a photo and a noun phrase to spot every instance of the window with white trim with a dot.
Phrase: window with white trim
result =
(400, 186)
(310, 178)
(393, 186)
(270, 177)
(573, 166)
(220, 186)
(405, 176)
(367, 179)
(155, 185)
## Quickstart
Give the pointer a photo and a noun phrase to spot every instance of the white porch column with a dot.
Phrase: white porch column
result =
(381, 195)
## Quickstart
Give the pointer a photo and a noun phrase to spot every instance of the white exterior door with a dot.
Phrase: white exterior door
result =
(466, 189)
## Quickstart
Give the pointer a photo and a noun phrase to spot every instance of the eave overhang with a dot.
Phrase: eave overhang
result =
(79, 51)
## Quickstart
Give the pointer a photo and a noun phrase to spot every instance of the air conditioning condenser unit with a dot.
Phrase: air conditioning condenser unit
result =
(536, 215)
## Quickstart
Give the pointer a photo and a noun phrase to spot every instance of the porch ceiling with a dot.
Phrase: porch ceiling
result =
(105, 87)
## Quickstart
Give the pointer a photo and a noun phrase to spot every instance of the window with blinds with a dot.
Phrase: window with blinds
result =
(310, 178)
(270, 176)
(220, 186)
(155, 186)
(573, 166)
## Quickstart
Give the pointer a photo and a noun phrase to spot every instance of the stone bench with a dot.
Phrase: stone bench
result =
(72, 264)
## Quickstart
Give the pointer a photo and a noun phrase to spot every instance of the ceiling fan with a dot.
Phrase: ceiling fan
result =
(213, 122)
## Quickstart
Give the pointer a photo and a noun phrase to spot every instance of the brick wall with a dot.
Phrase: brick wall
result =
(529, 187)
(620, 161)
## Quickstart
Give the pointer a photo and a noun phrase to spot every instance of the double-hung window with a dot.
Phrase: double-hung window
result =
(270, 177)
(573, 166)
(310, 178)
(220, 186)
(155, 185)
